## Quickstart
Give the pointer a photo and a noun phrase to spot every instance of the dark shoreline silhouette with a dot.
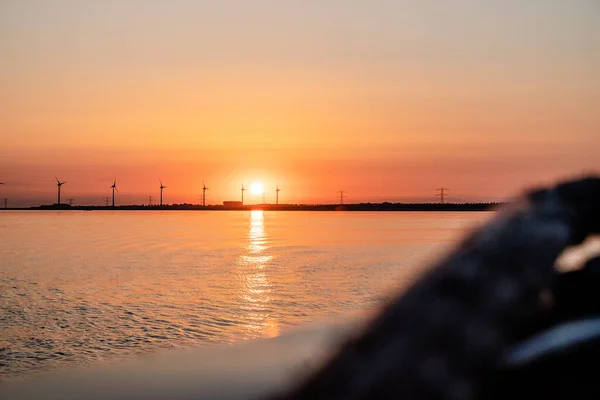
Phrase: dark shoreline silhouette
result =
(287, 207)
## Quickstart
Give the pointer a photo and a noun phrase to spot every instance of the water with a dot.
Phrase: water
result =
(79, 287)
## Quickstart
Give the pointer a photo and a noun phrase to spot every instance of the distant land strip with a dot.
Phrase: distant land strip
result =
(287, 207)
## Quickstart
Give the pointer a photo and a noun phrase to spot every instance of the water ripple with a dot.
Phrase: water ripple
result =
(78, 288)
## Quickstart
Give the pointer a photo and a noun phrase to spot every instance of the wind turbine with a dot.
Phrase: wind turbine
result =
(161, 189)
(114, 187)
(59, 184)
(204, 189)
(243, 190)
(277, 195)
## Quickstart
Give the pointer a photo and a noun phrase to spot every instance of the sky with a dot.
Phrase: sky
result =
(387, 100)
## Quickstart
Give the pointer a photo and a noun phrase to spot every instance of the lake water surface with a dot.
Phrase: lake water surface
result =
(78, 287)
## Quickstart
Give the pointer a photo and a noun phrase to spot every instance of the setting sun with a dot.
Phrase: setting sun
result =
(257, 188)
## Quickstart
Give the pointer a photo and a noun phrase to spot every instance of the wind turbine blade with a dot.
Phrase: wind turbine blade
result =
(57, 181)
(160, 182)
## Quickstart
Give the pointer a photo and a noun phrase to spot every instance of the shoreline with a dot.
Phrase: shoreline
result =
(243, 370)
(380, 207)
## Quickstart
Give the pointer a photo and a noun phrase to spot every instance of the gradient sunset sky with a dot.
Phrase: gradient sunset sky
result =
(387, 100)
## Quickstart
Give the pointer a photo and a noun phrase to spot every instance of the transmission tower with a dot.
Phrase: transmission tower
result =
(441, 194)
(149, 200)
(341, 192)
(107, 199)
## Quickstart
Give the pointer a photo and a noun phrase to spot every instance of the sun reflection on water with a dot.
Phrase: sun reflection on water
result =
(255, 292)
(257, 236)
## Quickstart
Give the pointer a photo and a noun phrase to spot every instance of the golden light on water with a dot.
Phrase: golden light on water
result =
(203, 278)
(257, 238)
(256, 287)
(271, 328)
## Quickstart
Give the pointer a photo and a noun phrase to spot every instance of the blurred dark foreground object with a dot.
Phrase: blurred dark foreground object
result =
(493, 320)
(560, 361)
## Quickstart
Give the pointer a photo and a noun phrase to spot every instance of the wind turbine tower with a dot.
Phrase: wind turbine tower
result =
(114, 187)
(204, 189)
(59, 184)
(161, 190)
(243, 190)
(277, 195)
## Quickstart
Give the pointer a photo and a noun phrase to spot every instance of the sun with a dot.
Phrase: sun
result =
(257, 188)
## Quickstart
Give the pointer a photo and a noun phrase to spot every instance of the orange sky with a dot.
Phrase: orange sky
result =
(387, 100)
